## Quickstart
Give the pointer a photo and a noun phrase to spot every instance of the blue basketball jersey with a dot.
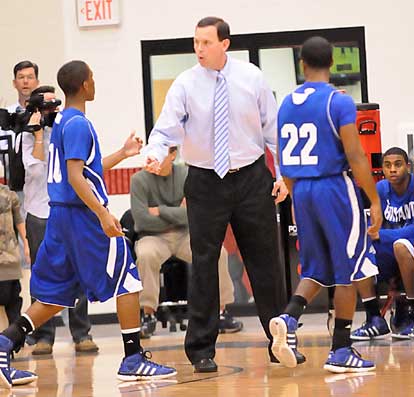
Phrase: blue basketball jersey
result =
(73, 137)
(309, 120)
(398, 212)
(397, 225)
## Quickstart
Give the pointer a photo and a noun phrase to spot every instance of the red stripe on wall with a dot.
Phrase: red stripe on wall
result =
(118, 180)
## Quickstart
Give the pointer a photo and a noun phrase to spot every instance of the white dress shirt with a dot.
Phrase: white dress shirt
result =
(187, 117)
(36, 198)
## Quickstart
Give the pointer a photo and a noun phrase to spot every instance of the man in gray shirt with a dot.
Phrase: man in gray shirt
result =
(160, 217)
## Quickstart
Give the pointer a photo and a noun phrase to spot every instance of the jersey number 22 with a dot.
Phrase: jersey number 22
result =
(306, 131)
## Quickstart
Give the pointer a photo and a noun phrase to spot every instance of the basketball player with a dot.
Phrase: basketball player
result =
(318, 142)
(394, 246)
(83, 245)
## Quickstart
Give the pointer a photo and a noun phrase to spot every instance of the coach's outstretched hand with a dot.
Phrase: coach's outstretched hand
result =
(152, 165)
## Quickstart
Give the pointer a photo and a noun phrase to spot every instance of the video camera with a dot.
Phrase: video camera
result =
(18, 121)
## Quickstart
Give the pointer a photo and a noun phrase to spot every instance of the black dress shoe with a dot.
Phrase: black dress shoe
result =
(205, 365)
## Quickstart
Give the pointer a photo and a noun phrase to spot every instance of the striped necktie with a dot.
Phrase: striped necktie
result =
(221, 131)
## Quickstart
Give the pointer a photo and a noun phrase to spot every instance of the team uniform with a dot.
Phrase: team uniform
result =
(397, 227)
(75, 253)
(334, 247)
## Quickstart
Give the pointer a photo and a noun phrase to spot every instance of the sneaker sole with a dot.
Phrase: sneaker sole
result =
(399, 336)
(280, 348)
(131, 378)
(24, 381)
(4, 381)
(340, 370)
(361, 338)
(230, 330)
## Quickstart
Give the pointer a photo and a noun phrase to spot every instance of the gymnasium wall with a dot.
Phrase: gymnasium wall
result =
(46, 31)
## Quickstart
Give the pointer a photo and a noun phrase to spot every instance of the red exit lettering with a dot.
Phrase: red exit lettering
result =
(98, 10)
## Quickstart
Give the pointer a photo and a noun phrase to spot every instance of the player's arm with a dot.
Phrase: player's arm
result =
(362, 172)
(109, 223)
(131, 147)
(289, 184)
(391, 235)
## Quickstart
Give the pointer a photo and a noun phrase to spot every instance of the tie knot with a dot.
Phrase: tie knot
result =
(220, 77)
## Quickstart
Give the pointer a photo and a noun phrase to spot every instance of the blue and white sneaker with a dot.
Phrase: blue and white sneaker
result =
(347, 359)
(292, 341)
(405, 331)
(10, 376)
(6, 346)
(280, 327)
(139, 367)
(20, 377)
(376, 328)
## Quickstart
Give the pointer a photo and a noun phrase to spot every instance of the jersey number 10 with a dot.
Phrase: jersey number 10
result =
(54, 173)
(306, 131)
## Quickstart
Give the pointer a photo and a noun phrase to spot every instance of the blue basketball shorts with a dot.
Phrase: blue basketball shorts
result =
(385, 258)
(334, 248)
(77, 255)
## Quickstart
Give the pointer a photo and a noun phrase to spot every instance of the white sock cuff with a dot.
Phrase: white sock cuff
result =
(368, 299)
(26, 316)
(130, 331)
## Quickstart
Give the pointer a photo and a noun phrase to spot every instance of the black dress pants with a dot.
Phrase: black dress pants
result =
(244, 200)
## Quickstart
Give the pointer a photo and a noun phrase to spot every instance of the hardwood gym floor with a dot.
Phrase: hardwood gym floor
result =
(244, 369)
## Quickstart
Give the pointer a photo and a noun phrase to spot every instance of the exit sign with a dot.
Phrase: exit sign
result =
(98, 12)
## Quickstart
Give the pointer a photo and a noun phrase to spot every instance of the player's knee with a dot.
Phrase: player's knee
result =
(400, 250)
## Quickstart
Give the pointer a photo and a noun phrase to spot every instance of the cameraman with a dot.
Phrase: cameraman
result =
(26, 79)
(36, 203)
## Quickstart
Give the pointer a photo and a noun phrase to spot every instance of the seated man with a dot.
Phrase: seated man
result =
(160, 218)
(394, 245)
